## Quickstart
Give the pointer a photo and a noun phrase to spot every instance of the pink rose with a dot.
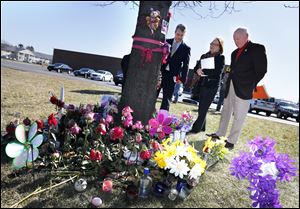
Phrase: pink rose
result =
(75, 129)
(126, 111)
(138, 138)
(90, 116)
(127, 123)
(109, 119)
(138, 125)
(101, 129)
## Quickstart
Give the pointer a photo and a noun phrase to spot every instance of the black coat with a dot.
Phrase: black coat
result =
(248, 70)
(213, 75)
(179, 62)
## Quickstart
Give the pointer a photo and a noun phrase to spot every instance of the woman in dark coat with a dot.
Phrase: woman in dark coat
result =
(208, 83)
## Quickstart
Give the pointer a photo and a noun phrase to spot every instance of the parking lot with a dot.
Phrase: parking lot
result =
(43, 69)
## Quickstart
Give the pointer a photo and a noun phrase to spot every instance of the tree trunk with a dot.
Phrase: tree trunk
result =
(139, 91)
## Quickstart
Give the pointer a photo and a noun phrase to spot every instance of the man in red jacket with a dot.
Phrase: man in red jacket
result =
(248, 67)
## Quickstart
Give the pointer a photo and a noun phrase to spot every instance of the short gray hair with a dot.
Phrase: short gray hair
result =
(241, 30)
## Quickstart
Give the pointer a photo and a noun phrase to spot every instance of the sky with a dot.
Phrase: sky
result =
(82, 26)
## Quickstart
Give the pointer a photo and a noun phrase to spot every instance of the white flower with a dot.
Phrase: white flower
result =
(170, 162)
(181, 151)
(268, 169)
(179, 167)
(196, 171)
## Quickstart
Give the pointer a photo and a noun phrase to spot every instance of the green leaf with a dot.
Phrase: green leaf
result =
(85, 162)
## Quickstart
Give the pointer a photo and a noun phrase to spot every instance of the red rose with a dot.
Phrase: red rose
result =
(95, 155)
(52, 120)
(27, 122)
(53, 100)
(116, 133)
(101, 129)
(145, 154)
(98, 155)
(92, 154)
(40, 124)
(156, 146)
(10, 128)
(57, 102)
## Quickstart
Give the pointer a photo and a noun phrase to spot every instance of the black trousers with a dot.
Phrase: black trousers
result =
(167, 85)
(206, 96)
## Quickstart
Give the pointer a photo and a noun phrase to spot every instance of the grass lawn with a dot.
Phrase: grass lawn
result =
(27, 93)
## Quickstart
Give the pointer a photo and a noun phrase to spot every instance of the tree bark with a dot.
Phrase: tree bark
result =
(139, 90)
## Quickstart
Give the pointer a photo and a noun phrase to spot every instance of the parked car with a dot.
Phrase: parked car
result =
(102, 75)
(287, 109)
(263, 105)
(85, 72)
(60, 67)
(119, 78)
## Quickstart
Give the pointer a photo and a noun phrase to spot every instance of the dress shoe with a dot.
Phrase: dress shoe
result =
(229, 146)
(213, 135)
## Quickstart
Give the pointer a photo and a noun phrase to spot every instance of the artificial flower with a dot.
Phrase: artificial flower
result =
(116, 133)
(178, 167)
(101, 129)
(52, 120)
(75, 129)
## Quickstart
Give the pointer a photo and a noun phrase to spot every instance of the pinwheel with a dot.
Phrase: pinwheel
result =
(24, 150)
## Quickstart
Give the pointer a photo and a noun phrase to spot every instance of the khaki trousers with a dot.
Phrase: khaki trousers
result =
(239, 108)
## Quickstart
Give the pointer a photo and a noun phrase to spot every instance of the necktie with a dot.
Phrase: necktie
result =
(174, 47)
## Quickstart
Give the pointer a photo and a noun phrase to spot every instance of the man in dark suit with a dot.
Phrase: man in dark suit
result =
(248, 67)
(177, 65)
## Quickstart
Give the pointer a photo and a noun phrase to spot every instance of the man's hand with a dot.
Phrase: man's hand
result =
(200, 72)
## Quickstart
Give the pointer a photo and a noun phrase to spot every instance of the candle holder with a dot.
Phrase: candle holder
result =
(173, 194)
(132, 192)
(160, 189)
(107, 185)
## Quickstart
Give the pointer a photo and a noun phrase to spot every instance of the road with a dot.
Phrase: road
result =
(42, 69)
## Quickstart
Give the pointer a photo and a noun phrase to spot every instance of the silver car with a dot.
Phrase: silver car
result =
(102, 75)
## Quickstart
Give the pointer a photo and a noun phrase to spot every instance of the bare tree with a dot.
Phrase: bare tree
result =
(139, 90)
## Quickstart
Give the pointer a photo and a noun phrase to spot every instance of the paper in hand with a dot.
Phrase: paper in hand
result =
(208, 63)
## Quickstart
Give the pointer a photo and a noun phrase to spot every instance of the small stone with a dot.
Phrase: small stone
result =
(96, 201)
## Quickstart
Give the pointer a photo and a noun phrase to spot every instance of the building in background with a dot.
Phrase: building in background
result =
(78, 60)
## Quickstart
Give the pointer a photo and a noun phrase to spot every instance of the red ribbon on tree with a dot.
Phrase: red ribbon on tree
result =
(146, 53)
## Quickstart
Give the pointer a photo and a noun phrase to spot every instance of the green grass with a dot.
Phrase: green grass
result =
(27, 93)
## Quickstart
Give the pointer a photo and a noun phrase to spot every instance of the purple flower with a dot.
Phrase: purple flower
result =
(97, 117)
(263, 148)
(264, 193)
(285, 167)
(71, 107)
(263, 167)
(245, 166)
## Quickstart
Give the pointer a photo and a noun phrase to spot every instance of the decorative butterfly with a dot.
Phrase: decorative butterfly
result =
(24, 150)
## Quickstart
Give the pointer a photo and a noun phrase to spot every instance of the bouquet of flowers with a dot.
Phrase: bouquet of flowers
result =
(263, 167)
(213, 151)
(180, 160)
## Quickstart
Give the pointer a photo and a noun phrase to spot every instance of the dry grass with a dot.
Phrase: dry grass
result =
(28, 93)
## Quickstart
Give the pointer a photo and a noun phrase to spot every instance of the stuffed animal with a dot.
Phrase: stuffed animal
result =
(153, 20)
